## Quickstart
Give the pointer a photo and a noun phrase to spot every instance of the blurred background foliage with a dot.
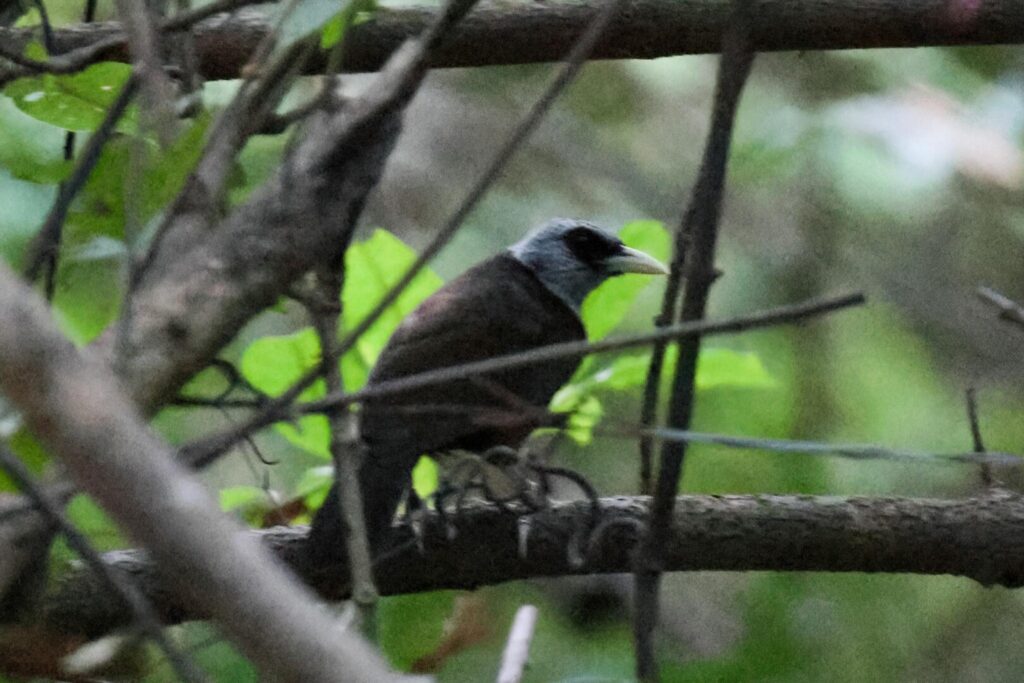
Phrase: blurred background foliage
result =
(896, 172)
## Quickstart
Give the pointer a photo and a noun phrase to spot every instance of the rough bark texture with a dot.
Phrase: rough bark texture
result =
(978, 538)
(524, 33)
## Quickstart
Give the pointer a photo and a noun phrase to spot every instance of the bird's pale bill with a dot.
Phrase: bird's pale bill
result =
(635, 261)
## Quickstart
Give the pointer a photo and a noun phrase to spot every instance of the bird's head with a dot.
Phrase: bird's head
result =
(572, 257)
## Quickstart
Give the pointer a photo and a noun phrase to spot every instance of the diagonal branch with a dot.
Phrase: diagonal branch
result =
(144, 617)
(74, 405)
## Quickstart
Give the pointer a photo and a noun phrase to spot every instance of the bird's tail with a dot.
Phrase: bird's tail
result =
(382, 490)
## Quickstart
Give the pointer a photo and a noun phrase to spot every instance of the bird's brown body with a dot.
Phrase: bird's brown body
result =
(525, 298)
(495, 308)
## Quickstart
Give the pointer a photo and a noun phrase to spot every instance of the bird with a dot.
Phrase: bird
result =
(525, 297)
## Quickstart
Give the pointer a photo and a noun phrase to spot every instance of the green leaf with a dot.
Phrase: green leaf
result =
(717, 367)
(355, 13)
(29, 149)
(584, 418)
(100, 208)
(607, 305)
(315, 480)
(241, 497)
(25, 446)
(88, 297)
(425, 477)
(272, 364)
(372, 267)
(77, 102)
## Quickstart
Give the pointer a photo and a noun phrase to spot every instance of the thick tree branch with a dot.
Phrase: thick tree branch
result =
(73, 404)
(193, 299)
(978, 538)
(520, 33)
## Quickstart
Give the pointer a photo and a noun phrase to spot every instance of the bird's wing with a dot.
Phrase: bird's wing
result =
(497, 307)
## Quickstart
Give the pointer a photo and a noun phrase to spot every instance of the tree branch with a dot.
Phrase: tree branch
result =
(523, 33)
(74, 405)
(979, 538)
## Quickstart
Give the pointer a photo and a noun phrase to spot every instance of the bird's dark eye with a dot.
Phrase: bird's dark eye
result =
(590, 246)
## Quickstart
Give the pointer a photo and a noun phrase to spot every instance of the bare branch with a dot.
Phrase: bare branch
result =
(194, 301)
(985, 468)
(347, 448)
(574, 62)
(144, 617)
(157, 90)
(1009, 310)
(74, 405)
(694, 258)
(526, 33)
(517, 650)
(979, 538)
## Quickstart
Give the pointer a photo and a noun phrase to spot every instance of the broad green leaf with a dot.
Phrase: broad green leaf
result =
(315, 480)
(425, 477)
(100, 208)
(272, 364)
(241, 497)
(77, 102)
(355, 13)
(24, 208)
(584, 418)
(87, 297)
(371, 268)
(717, 367)
(30, 149)
(607, 305)
(25, 446)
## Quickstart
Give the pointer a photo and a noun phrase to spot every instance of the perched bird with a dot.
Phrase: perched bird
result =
(526, 297)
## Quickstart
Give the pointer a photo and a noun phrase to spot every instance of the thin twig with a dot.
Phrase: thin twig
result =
(44, 20)
(187, 18)
(144, 40)
(517, 650)
(978, 443)
(1009, 309)
(347, 448)
(699, 229)
(145, 617)
(852, 451)
(44, 247)
(203, 451)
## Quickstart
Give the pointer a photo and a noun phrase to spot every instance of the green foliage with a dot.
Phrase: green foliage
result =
(77, 102)
(372, 268)
(30, 149)
(273, 363)
(354, 13)
(411, 625)
(604, 310)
